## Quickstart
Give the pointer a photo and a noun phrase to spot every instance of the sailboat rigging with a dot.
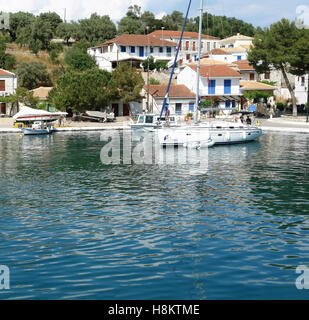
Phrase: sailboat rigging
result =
(207, 133)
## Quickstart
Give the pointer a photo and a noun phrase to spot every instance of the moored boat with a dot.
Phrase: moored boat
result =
(27, 115)
(222, 132)
(153, 121)
(38, 128)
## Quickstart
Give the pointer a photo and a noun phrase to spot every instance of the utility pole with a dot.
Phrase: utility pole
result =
(198, 71)
(148, 80)
(307, 120)
(64, 15)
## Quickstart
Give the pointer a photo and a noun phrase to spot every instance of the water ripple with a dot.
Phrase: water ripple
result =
(72, 228)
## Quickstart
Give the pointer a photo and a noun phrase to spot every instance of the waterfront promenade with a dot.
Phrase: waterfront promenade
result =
(283, 124)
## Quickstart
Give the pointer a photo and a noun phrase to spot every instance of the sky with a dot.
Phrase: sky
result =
(259, 13)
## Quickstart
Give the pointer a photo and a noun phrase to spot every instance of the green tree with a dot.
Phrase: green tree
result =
(131, 23)
(78, 59)
(300, 59)
(54, 50)
(32, 75)
(52, 18)
(97, 29)
(161, 65)
(126, 83)
(65, 31)
(21, 95)
(275, 49)
(221, 26)
(7, 61)
(20, 20)
(173, 21)
(149, 62)
(41, 35)
(81, 91)
(23, 35)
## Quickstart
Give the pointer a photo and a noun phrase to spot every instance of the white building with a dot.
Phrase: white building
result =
(221, 83)
(238, 53)
(301, 89)
(276, 76)
(236, 41)
(189, 45)
(181, 99)
(246, 70)
(227, 55)
(132, 48)
(8, 85)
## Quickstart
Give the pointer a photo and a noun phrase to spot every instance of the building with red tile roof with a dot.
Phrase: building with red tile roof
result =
(219, 82)
(132, 48)
(189, 45)
(181, 99)
(8, 85)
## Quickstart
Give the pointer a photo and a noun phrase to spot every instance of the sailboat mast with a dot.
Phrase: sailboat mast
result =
(198, 71)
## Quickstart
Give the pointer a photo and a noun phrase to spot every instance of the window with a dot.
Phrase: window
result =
(252, 76)
(2, 85)
(141, 119)
(233, 104)
(149, 119)
(208, 46)
(194, 46)
(267, 75)
(187, 45)
(238, 58)
(168, 49)
(227, 86)
(123, 48)
(161, 49)
(302, 81)
(191, 106)
(227, 104)
(132, 50)
(188, 57)
(151, 49)
(212, 87)
(215, 45)
(178, 108)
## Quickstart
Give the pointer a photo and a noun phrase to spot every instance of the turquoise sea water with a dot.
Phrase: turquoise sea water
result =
(73, 228)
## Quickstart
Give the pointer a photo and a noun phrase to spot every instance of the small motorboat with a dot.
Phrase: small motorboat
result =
(38, 128)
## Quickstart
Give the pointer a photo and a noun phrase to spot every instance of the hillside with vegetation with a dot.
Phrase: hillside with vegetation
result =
(44, 50)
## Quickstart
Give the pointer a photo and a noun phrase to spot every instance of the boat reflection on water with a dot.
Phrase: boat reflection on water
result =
(149, 151)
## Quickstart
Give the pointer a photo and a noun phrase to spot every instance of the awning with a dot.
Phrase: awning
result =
(223, 98)
(217, 109)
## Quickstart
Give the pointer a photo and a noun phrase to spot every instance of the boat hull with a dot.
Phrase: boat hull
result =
(181, 136)
(28, 132)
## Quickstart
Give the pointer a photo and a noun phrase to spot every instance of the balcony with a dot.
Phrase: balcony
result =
(5, 93)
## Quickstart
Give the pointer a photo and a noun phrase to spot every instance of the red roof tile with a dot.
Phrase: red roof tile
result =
(217, 52)
(138, 40)
(243, 65)
(216, 71)
(177, 34)
(5, 73)
(176, 91)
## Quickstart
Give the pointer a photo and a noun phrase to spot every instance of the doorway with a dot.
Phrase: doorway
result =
(126, 110)
(3, 108)
(115, 108)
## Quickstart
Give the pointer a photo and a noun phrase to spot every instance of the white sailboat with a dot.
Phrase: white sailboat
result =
(206, 133)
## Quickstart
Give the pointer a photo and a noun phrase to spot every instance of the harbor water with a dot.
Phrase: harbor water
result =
(72, 227)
